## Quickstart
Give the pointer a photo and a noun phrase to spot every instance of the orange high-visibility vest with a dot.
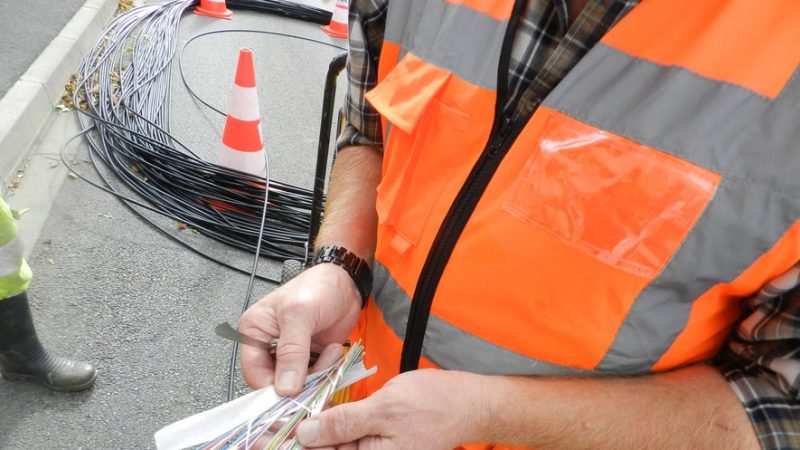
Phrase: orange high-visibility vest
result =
(613, 231)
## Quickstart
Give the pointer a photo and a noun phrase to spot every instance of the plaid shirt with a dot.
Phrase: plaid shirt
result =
(762, 359)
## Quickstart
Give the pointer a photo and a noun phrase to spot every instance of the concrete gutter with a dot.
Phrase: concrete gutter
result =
(27, 109)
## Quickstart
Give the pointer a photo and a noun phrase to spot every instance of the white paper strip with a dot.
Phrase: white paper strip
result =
(207, 425)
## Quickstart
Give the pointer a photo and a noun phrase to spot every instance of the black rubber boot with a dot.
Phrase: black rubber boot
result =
(22, 357)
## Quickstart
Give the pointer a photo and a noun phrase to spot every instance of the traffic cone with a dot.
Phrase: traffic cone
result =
(242, 144)
(213, 8)
(338, 26)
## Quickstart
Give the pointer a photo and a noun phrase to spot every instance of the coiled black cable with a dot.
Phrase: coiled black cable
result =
(123, 86)
(284, 8)
(122, 93)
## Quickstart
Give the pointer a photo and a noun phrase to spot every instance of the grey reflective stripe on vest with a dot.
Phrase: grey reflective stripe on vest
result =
(750, 140)
(791, 92)
(402, 19)
(720, 126)
(452, 37)
(388, 130)
(450, 347)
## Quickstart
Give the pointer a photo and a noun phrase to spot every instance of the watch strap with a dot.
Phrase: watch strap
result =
(356, 267)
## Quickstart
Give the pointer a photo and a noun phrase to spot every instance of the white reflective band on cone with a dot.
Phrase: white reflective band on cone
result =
(340, 11)
(244, 103)
(249, 162)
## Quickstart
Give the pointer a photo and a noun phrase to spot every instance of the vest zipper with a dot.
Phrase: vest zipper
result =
(504, 132)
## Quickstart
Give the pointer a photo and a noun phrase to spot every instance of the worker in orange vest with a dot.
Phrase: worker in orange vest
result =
(570, 206)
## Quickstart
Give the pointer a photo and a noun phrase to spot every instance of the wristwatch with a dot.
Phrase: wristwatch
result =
(357, 268)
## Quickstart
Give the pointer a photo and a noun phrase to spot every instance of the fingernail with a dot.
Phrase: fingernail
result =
(286, 380)
(307, 432)
(339, 352)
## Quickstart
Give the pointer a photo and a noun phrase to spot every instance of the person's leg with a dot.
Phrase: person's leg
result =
(22, 357)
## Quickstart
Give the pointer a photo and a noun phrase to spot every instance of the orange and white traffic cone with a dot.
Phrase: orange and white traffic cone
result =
(242, 144)
(338, 26)
(213, 8)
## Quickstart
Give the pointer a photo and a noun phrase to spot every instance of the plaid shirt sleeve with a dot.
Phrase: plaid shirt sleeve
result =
(762, 362)
(362, 122)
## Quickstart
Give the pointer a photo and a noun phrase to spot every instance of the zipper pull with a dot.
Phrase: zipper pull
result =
(502, 134)
(505, 129)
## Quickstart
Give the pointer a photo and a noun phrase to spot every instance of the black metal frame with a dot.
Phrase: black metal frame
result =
(320, 177)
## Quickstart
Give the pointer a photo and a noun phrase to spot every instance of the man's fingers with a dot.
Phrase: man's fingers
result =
(257, 368)
(328, 357)
(339, 425)
(348, 446)
(257, 365)
(293, 352)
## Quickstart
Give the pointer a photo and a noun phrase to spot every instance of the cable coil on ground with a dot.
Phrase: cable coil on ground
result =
(122, 93)
(285, 8)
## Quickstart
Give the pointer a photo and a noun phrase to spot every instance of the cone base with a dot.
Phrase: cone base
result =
(227, 14)
(340, 34)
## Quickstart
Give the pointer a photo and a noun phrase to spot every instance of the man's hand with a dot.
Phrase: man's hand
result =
(691, 407)
(423, 409)
(314, 311)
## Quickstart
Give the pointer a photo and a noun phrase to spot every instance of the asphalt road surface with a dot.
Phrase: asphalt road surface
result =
(112, 291)
(26, 28)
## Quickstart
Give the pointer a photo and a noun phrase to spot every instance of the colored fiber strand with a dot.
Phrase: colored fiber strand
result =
(288, 412)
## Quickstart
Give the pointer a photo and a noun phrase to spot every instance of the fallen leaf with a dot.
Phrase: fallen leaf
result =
(181, 225)
(17, 213)
(14, 183)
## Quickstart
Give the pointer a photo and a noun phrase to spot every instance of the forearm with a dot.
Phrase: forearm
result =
(687, 408)
(350, 217)
(317, 309)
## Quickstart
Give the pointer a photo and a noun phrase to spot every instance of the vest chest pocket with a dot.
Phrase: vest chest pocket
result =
(423, 151)
(625, 204)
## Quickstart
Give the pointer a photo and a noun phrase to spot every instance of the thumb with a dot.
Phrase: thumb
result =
(339, 425)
